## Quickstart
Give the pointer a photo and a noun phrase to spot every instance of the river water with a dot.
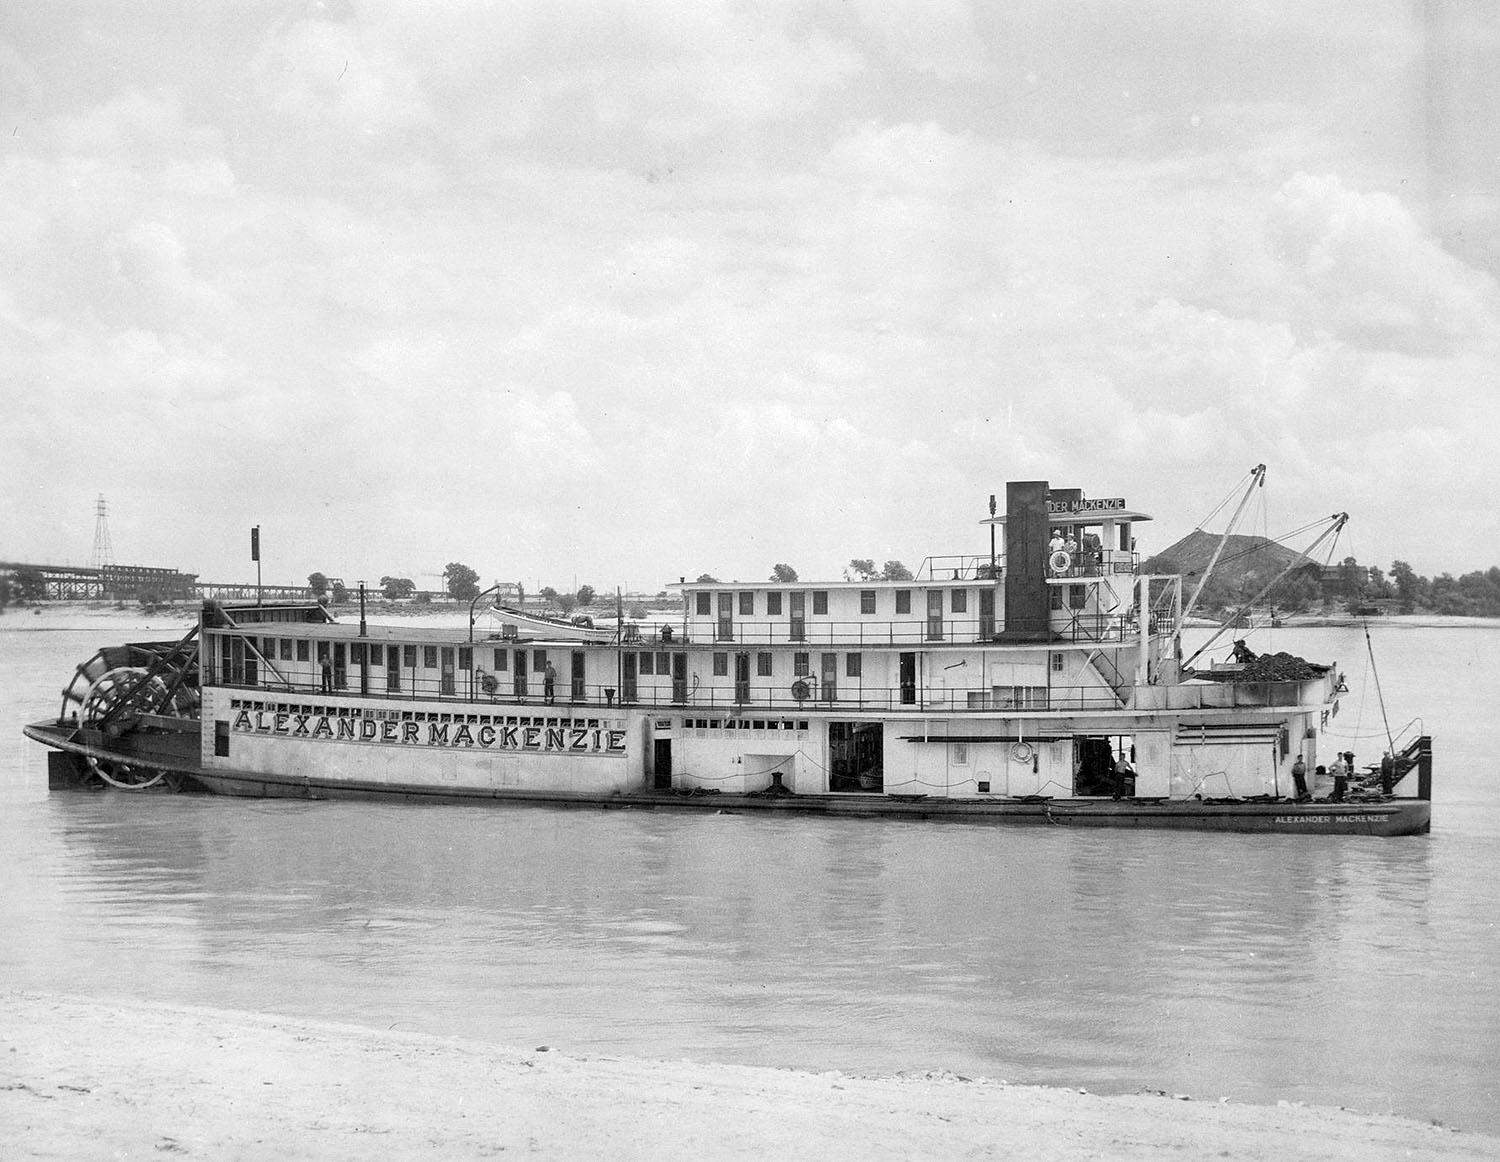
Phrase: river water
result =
(1333, 971)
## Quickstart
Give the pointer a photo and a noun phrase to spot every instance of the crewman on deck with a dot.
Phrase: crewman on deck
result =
(1123, 770)
(325, 663)
(1387, 773)
(1056, 542)
(1299, 776)
(549, 682)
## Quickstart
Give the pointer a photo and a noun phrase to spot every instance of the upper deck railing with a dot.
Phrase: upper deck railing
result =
(1083, 562)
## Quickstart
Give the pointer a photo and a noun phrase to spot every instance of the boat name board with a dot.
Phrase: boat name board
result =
(356, 727)
(1322, 819)
(1102, 504)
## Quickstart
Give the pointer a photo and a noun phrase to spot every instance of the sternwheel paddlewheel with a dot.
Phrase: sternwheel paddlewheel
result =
(127, 777)
(118, 691)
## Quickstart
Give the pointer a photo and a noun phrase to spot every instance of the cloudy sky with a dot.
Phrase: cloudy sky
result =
(625, 292)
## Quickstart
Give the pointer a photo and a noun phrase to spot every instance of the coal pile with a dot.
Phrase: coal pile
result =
(1282, 667)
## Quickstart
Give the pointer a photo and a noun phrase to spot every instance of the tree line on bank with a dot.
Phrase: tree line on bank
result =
(1349, 584)
(1356, 587)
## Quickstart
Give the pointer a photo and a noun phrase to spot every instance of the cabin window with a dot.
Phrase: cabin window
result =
(429, 657)
(270, 648)
(854, 665)
(747, 604)
(960, 601)
(1021, 697)
(820, 601)
(721, 664)
(1057, 663)
(465, 657)
(1056, 597)
(705, 604)
(773, 604)
(377, 655)
(286, 649)
(409, 657)
(303, 652)
(1075, 596)
(663, 662)
(763, 665)
(960, 754)
(903, 601)
(799, 665)
(867, 601)
(538, 661)
(358, 654)
(502, 659)
(647, 657)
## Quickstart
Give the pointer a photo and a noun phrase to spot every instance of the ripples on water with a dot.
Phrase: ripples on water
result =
(1338, 971)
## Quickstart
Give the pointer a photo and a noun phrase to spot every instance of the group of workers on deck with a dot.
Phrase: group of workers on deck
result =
(1340, 771)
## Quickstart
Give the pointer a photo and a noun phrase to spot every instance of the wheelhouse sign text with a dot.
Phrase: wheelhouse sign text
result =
(546, 737)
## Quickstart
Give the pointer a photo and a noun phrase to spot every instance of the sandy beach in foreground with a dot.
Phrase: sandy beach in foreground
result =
(85, 1079)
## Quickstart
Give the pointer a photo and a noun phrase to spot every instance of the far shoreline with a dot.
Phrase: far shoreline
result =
(81, 614)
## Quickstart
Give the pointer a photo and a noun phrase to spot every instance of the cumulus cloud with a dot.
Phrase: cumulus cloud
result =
(1365, 270)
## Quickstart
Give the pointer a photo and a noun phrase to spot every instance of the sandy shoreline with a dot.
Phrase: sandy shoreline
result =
(84, 1079)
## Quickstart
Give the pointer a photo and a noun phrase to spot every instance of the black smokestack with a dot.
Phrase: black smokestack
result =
(1027, 607)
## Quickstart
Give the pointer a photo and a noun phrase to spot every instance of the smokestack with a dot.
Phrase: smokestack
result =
(1028, 610)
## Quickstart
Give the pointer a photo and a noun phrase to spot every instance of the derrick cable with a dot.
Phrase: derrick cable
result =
(1375, 673)
(1228, 496)
(1230, 558)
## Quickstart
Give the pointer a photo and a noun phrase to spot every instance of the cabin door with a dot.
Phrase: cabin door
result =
(661, 777)
(934, 615)
(627, 676)
(908, 679)
(742, 678)
(518, 675)
(577, 686)
(986, 614)
(679, 677)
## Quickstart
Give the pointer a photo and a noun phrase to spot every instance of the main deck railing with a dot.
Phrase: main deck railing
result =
(472, 688)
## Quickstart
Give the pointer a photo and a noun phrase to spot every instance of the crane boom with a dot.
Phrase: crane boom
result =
(1257, 478)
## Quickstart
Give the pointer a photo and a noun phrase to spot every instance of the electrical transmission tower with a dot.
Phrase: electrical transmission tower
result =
(104, 552)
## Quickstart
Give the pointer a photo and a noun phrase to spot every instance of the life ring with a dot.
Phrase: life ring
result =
(802, 689)
(1022, 752)
(1060, 561)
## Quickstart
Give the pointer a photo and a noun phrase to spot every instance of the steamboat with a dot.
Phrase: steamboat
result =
(1043, 683)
